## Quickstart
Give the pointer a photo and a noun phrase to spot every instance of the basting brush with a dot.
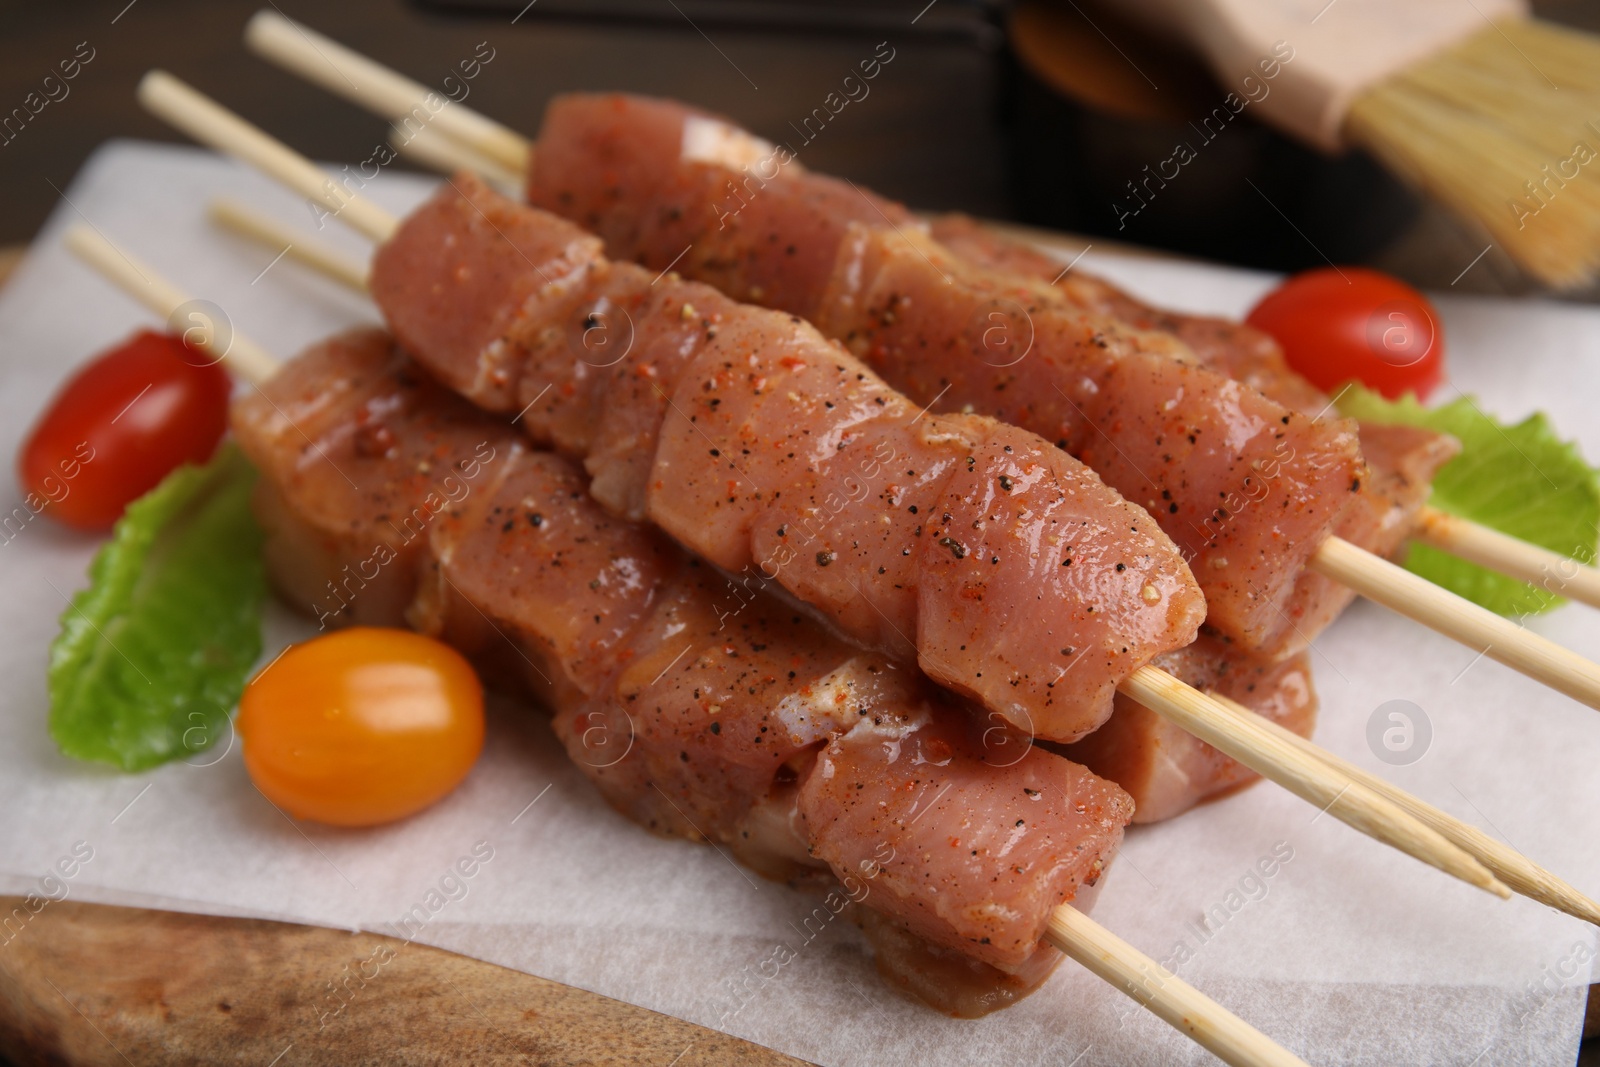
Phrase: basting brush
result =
(1494, 114)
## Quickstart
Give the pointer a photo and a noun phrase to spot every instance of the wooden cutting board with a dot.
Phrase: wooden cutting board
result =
(95, 985)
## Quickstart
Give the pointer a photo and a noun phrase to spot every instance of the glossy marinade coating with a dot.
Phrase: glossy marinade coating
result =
(1010, 571)
(1237, 350)
(324, 434)
(1399, 461)
(697, 710)
(1247, 487)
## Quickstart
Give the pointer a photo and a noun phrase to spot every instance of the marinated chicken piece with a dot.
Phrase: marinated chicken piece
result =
(359, 455)
(1396, 483)
(946, 980)
(1239, 351)
(1400, 460)
(1246, 487)
(953, 841)
(699, 707)
(999, 561)
(568, 584)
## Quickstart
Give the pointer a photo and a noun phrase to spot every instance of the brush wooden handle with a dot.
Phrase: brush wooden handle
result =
(1306, 60)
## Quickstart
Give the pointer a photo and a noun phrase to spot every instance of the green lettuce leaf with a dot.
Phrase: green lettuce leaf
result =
(1521, 479)
(153, 655)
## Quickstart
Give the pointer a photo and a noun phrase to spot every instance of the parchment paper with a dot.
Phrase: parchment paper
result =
(1347, 953)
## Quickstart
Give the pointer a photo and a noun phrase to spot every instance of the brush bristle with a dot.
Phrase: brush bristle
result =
(1504, 129)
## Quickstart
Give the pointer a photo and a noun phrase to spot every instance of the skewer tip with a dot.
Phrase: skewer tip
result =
(154, 83)
(263, 21)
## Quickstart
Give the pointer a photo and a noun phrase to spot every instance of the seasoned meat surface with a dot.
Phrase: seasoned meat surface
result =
(1400, 461)
(700, 707)
(995, 559)
(1246, 486)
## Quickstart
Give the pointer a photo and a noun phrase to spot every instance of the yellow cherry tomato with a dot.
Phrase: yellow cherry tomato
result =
(362, 726)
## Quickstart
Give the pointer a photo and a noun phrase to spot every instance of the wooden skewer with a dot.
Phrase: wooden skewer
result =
(1175, 1001)
(1439, 609)
(328, 63)
(1511, 866)
(323, 258)
(1074, 933)
(1304, 774)
(209, 123)
(243, 356)
(1534, 564)
(430, 148)
(1314, 782)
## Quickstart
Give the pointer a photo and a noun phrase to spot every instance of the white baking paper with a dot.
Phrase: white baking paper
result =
(1348, 953)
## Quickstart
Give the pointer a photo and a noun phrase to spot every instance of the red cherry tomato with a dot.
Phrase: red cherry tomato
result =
(1352, 323)
(120, 425)
(362, 726)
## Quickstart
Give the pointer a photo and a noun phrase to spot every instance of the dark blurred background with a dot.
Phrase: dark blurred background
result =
(1032, 110)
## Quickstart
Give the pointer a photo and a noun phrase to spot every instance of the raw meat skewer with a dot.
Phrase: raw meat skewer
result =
(1154, 689)
(1102, 952)
(1342, 563)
